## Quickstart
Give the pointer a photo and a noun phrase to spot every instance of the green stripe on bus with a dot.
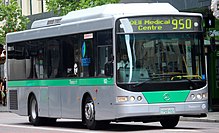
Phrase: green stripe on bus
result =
(63, 82)
(166, 96)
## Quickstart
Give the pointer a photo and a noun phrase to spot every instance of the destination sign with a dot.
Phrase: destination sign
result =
(158, 24)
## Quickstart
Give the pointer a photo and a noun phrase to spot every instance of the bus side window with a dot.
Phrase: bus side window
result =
(105, 58)
(53, 58)
(87, 57)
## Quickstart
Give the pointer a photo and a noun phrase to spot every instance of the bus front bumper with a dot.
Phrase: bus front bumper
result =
(181, 109)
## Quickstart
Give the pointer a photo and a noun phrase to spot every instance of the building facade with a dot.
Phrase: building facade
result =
(31, 7)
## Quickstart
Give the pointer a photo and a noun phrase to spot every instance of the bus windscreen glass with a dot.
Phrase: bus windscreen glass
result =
(148, 61)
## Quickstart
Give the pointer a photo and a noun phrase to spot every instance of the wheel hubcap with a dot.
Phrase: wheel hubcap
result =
(33, 109)
(89, 111)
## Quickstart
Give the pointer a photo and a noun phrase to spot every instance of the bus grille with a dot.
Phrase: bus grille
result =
(13, 99)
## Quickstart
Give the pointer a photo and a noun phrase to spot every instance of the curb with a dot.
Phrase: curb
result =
(4, 109)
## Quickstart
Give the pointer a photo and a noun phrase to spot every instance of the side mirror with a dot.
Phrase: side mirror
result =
(108, 68)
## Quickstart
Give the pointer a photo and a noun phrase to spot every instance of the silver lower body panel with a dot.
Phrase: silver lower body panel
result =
(182, 109)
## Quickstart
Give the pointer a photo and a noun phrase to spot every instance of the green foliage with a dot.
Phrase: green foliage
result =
(62, 7)
(11, 19)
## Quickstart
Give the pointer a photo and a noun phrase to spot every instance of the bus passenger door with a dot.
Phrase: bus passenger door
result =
(104, 108)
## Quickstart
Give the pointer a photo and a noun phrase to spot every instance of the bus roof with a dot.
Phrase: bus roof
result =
(88, 20)
(108, 10)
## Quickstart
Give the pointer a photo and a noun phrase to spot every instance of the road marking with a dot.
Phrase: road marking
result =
(48, 129)
(180, 130)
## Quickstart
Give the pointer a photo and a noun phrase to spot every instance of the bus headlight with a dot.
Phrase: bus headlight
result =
(139, 98)
(205, 95)
(199, 96)
(192, 96)
(122, 99)
(132, 98)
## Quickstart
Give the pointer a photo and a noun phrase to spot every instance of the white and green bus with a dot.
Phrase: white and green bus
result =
(69, 66)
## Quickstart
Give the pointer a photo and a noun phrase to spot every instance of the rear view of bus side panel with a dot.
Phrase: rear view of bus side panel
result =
(18, 100)
(13, 99)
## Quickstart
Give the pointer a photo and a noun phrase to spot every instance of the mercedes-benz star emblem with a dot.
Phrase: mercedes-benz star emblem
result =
(166, 97)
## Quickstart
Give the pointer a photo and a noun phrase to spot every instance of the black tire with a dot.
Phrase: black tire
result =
(169, 122)
(33, 112)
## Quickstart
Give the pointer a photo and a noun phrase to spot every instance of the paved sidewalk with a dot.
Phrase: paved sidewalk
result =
(211, 117)
(3, 108)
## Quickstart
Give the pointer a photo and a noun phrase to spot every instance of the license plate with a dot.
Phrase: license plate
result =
(167, 110)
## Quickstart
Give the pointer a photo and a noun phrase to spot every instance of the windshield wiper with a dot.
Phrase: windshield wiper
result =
(149, 79)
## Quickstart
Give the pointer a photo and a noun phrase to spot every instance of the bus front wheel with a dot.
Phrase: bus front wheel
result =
(169, 122)
(89, 113)
(33, 112)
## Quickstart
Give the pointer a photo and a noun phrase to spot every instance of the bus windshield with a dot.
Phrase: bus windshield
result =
(144, 58)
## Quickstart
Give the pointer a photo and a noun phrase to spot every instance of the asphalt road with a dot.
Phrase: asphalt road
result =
(12, 123)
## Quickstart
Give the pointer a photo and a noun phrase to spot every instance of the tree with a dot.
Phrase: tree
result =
(62, 7)
(11, 19)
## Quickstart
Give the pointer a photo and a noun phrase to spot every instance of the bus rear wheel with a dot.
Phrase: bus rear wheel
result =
(33, 112)
(169, 122)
